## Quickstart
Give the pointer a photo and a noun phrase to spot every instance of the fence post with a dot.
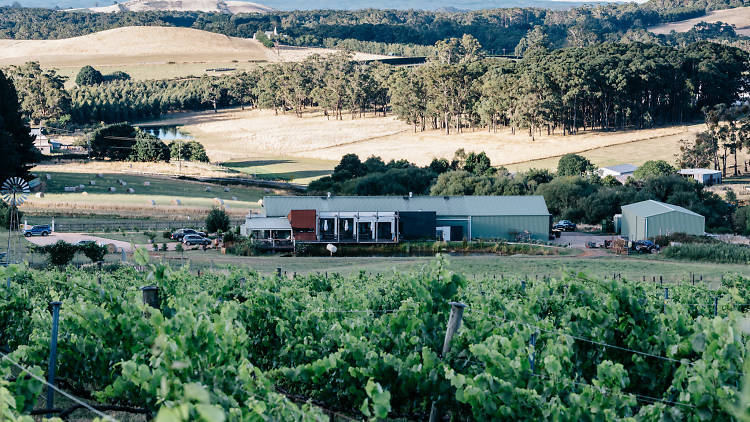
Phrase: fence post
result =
(150, 296)
(7, 282)
(532, 343)
(454, 323)
(278, 272)
(661, 280)
(716, 305)
(55, 308)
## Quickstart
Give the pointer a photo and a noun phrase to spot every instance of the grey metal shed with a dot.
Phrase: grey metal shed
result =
(646, 219)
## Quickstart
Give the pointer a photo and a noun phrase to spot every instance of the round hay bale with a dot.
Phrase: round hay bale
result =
(112, 189)
(111, 248)
(146, 183)
(226, 189)
(234, 198)
(131, 190)
(208, 188)
(99, 175)
(81, 187)
(176, 202)
(92, 182)
(39, 194)
(152, 202)
(84, 193)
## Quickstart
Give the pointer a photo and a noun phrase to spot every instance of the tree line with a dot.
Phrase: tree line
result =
(376, 31)
(574, 192)
(607, 86)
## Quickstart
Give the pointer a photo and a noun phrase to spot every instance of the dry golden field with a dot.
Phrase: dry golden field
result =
(739, 17)
(151, 52)
(233, 135)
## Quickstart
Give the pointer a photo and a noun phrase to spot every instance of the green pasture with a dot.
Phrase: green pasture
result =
(297, 170)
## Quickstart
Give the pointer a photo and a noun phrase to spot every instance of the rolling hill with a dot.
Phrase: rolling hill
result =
(739, 17)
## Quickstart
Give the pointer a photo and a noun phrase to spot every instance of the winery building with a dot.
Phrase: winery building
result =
(393, 219)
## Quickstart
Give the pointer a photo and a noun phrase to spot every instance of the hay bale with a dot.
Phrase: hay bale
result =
(152, 202)
(99, 175)
(111, 248)
(82, 187)
(39, 194)
(176, 202)
(92, 182)
(112, 189)
(208, 188)
(48, 176)
(131, 190)
(70, 188)
(84, 193)
(146, 183)
(226, 189)
(124, 183)
(234, 198)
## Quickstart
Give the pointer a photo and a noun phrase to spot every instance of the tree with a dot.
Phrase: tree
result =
(94, 251)
(653, 168)
(574, 165)
(149, 148)
(114, 142)
(41, 93)
(349, 167)
(262, 38)
(60, 253)
(89, 76)
(17, 152)
(216, 220)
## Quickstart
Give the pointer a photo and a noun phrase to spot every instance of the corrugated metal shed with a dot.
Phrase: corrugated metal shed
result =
(647, 219)
(277, 206)
(268, 224)
(651, 207)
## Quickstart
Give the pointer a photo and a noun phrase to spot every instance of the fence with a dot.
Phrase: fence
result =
(132, 225)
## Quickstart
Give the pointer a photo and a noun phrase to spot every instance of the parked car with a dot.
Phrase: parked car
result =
(565, 225)
(645, 246)
(41, 230)
(192, 239)
(179, 234)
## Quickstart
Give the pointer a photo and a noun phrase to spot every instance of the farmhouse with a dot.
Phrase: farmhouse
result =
(706, 176)
(392, 219)
(651, 218)
(620, 172)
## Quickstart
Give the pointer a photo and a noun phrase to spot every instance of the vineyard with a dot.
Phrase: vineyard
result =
(237, 345)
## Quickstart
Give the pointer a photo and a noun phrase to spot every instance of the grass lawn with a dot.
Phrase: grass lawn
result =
(297, 170)
(163, 191)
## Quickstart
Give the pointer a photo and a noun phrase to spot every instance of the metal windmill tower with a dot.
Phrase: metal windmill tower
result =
(14, 191)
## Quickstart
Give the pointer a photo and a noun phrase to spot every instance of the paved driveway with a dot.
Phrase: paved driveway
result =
(77, 237)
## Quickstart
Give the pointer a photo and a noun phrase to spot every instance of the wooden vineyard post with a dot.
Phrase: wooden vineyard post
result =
(55, 308)
(454, 323)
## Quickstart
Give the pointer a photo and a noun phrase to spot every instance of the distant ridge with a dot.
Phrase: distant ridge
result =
(217, 6)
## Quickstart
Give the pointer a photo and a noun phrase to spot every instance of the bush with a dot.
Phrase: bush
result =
(166, 234)
(574, 165)
(654, 168)
(60, 253)
(179, 247)
(189, 151)
(217, 220)
(149, 148)
(94, 251)
(664, 241)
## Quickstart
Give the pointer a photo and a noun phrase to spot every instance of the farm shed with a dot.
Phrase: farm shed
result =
(706, 176)
(653, 218)
(470, 217)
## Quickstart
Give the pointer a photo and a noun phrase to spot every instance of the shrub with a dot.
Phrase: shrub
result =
(166, 234)
(574, 165)
(60, 253)
(217, 220)
(723, 253)
(94, 251)
(89, 76)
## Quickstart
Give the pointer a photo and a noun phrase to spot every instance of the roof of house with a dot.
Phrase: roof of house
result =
(650, 207)
(276, 206)
(622, 168)
(273, 223)
(699, 171)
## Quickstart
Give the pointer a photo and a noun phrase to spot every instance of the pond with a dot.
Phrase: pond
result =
(167, 133)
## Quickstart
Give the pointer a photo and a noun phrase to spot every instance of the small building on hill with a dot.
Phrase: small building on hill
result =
(393, 219)
(646, 219)
(706, 176)
(620, 172)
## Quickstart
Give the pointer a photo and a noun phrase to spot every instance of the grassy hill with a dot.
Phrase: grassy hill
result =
(739, 17)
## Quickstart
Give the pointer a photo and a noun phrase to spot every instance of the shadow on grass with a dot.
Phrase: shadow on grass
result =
(248, 167)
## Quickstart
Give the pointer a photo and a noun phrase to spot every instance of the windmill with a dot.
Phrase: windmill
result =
(14, 191)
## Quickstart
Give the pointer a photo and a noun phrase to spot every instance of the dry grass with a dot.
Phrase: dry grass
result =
(236, 135)
(133, 168)
(151, 52)
(739, 17)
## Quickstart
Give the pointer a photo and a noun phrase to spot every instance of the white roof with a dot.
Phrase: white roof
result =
(622, 168)
(267, 223)
(699, 171)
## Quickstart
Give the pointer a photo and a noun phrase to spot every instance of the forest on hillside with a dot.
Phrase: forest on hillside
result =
(386, 31)
(606, 86)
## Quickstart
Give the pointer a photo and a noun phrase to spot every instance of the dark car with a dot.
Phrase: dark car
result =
(41, 230)
(645, 246)
(193, 239)
(565, 225)
(179, 234)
